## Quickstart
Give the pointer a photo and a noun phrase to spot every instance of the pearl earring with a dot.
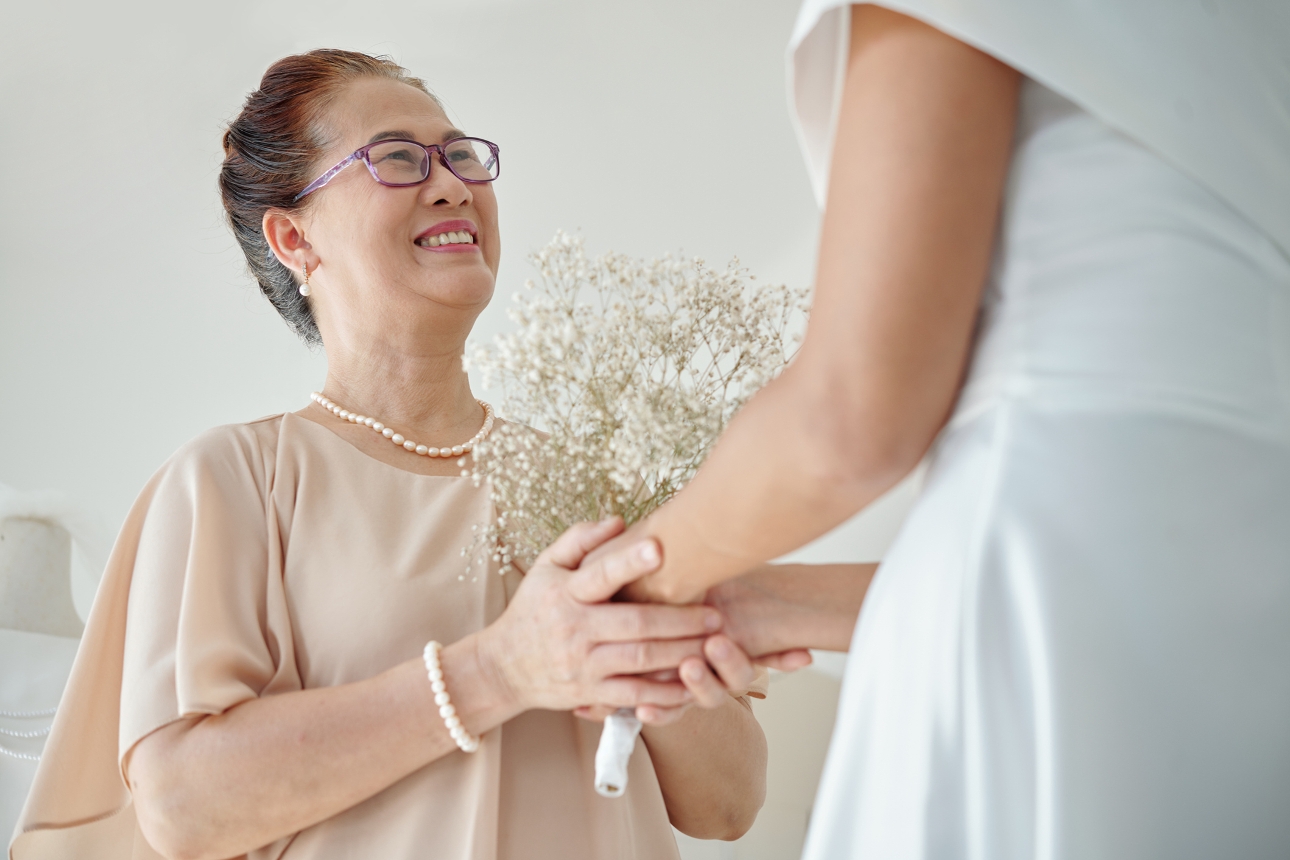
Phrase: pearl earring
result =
(304, 288)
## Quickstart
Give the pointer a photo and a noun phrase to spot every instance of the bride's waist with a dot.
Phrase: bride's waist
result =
(1213, 346)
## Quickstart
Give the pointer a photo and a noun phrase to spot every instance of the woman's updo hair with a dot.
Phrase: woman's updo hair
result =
(271, 151)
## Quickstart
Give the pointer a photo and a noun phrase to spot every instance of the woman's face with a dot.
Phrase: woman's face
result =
(375, 263)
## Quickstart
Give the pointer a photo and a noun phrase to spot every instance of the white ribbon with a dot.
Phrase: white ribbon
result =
(617, 740)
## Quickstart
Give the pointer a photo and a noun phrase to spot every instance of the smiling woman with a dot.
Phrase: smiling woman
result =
(262, 673)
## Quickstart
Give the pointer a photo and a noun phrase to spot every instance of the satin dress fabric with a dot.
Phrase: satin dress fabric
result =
(1078, 644)
(273, 556)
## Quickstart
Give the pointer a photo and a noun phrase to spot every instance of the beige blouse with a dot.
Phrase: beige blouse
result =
(274, 556)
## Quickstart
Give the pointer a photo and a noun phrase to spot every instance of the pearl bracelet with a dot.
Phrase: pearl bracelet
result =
(465, 740)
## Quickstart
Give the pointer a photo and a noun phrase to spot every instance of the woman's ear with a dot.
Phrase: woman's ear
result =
(285, 234)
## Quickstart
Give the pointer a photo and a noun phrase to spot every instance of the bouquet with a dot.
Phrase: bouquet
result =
(619, 379)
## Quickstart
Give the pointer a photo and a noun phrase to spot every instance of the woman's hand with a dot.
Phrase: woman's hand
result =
(560, 646)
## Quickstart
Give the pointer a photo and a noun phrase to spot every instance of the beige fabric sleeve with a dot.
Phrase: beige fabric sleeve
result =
(189, 618)
(206, 624)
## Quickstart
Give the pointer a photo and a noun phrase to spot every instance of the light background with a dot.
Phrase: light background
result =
(128, 324)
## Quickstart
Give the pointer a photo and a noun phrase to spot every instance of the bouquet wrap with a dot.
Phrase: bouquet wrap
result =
(617, 740)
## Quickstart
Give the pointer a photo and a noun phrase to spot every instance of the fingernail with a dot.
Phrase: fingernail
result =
(721, 649)
(712, 620)
(647, 552)
(693, 672)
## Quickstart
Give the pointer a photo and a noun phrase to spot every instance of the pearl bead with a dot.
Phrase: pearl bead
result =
(453, 723)
(436, 674)
(447, 711)
(408, 445)
(441, 699)
(438, 686)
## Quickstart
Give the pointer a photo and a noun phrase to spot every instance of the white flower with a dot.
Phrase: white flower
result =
(618, 380)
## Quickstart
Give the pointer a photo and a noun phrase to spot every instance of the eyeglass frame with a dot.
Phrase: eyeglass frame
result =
(432, 149)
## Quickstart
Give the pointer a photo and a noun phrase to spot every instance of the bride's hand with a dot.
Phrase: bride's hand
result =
(560, 646)
(723, 670)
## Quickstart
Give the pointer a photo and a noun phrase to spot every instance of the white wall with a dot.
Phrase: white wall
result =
(127, 324)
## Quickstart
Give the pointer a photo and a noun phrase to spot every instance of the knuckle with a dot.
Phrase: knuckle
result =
(640, 656)
(633, 621)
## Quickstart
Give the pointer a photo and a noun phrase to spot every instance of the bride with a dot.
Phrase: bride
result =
(1055, 257)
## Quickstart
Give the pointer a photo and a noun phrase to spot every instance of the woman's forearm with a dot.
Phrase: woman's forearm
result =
(711, 767)
(771, 485)
(780, 607)
(220, 786)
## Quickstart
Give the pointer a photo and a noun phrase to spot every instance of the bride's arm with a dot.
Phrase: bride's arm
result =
(920, 158)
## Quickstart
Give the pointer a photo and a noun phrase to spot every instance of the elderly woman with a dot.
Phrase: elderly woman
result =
(262, 673)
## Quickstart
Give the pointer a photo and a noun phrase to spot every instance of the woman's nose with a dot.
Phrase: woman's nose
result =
(444, 187)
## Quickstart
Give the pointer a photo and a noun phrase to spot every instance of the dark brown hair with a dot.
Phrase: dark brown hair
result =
(271, 151)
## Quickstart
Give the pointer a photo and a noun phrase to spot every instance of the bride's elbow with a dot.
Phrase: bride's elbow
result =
(854, 458)
(855, 437)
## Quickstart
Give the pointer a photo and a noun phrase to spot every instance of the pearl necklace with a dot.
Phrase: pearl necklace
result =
(407, 444)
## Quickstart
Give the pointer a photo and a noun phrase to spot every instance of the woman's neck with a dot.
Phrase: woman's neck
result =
(425, 394)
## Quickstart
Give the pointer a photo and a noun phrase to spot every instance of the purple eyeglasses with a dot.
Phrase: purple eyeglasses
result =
(399, 163)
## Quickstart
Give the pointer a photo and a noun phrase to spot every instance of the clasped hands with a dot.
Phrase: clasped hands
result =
(563, 644)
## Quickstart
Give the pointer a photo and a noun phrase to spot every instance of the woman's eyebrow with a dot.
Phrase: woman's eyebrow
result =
(407, 135)
(388, 135)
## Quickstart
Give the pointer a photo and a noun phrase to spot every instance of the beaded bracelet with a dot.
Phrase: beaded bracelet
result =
(465, 740)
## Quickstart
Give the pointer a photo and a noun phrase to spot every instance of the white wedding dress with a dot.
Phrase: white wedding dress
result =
(1079, 645)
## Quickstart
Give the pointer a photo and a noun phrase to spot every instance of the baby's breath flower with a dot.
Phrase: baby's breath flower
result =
(618, 380)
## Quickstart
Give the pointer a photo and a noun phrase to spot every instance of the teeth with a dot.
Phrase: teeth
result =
(456, 237)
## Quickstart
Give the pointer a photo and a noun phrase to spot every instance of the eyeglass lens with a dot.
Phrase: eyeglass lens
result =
(398, 162)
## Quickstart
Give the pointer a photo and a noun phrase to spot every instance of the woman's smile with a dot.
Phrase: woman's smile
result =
(456, 236)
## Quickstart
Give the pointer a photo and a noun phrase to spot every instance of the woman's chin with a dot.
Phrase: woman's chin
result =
(460, 293)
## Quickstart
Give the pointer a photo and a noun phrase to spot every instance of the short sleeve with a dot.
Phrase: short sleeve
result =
(206, 626)
(189, 618)
(1204, 85)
